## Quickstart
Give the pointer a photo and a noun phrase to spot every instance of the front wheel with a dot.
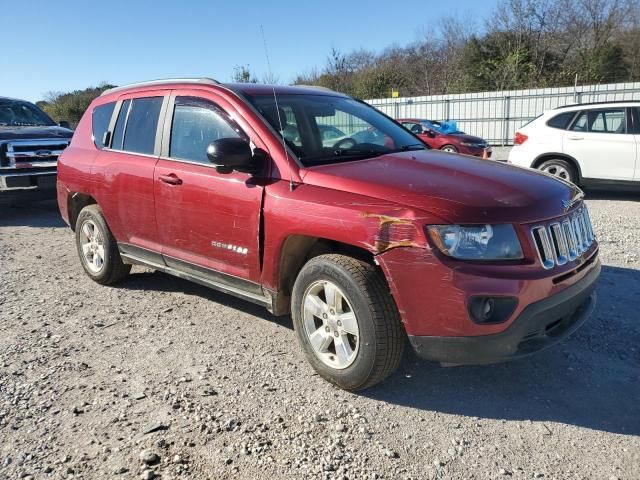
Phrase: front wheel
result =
(346, 321)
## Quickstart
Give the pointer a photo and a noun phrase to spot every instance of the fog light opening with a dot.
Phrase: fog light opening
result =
(489, 310)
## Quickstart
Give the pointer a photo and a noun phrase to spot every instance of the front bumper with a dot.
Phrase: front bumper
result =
(540, 325)
(16, 181)
(476, 152)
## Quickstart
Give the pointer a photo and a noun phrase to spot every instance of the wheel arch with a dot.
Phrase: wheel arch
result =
(540, 159)
(76, 201)
(296, 251)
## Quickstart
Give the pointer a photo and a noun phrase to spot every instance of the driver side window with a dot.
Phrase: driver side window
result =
(197, 123)
(412, 127)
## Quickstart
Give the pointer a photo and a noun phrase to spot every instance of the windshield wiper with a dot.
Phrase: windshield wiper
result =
(350, 151)
(412, 146)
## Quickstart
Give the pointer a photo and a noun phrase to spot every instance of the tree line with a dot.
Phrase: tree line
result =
(524, 44)
(70, 106)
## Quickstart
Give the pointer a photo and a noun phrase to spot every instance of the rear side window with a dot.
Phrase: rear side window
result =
(561, 121)
(197, 123)
(142, 123)
(100, 120)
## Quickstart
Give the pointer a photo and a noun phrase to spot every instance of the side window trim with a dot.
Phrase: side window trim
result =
(575, 119)
(112, 123)
(636, 120)
(630, 128)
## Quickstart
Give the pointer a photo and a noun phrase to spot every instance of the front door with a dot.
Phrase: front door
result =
(601, 142)
(208, 221)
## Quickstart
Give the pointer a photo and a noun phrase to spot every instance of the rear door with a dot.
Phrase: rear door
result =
(602, 143)
(209, 222)
(123, 171)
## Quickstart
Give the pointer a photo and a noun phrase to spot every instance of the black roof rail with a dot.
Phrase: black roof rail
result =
(597, 103)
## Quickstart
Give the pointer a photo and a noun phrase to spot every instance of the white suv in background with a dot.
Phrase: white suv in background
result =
(587, 144)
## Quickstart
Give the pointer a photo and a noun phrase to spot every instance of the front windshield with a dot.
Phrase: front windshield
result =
(324, 129)
(22, 114)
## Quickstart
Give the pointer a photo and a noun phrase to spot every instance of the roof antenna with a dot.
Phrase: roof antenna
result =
(275, 100)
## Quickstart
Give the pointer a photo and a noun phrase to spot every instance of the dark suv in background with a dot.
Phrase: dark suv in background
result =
(30, 143)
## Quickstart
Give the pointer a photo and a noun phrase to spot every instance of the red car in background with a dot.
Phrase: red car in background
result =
(437, 137)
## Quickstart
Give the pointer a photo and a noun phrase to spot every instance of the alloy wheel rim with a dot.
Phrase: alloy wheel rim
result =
(92, 245)
(449, 149)
(557, 171)
(330, 324)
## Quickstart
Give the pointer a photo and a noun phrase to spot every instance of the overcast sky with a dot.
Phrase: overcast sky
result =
(68, 45)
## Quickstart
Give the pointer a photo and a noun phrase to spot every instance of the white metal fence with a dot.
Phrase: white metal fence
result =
(496, 116)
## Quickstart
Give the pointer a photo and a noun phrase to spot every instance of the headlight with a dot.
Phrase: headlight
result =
(477, 242)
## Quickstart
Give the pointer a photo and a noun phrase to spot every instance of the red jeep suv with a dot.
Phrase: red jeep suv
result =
(368, 240)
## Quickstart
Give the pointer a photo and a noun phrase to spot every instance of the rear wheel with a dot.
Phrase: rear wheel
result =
(449, 149)
(346, 321)
(97, 248)
(560, 168)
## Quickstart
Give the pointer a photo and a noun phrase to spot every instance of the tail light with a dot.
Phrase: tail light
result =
(519, 138)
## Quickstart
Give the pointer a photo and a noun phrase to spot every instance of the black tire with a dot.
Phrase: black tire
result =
(381, 335)
(113, 268)
(449, 148)
(558, 165)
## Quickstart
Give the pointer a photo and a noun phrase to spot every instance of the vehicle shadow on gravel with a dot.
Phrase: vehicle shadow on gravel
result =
(595, 194)
(37, 214)
(162, 282)
(590, 380)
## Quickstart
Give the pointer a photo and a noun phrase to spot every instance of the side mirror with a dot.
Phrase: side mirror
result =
(430, 133)
(229, 154)
(64, 124)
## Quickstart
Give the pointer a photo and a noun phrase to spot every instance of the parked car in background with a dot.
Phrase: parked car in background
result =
(435, 135)
(587, 144)
(365, 243)
(30, 143)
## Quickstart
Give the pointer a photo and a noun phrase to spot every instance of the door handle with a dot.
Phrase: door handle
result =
(171, 179)
(575, 137)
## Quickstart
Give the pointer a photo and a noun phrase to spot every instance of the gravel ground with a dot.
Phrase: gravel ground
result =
(161, 377)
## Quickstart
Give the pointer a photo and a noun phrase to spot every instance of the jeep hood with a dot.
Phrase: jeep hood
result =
(457, 189)
(26, 133)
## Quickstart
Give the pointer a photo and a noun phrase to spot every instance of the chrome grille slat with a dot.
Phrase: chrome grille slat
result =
(569, 235)
(541, 237)
(565, 239)
(43, 152)
(560, 243)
